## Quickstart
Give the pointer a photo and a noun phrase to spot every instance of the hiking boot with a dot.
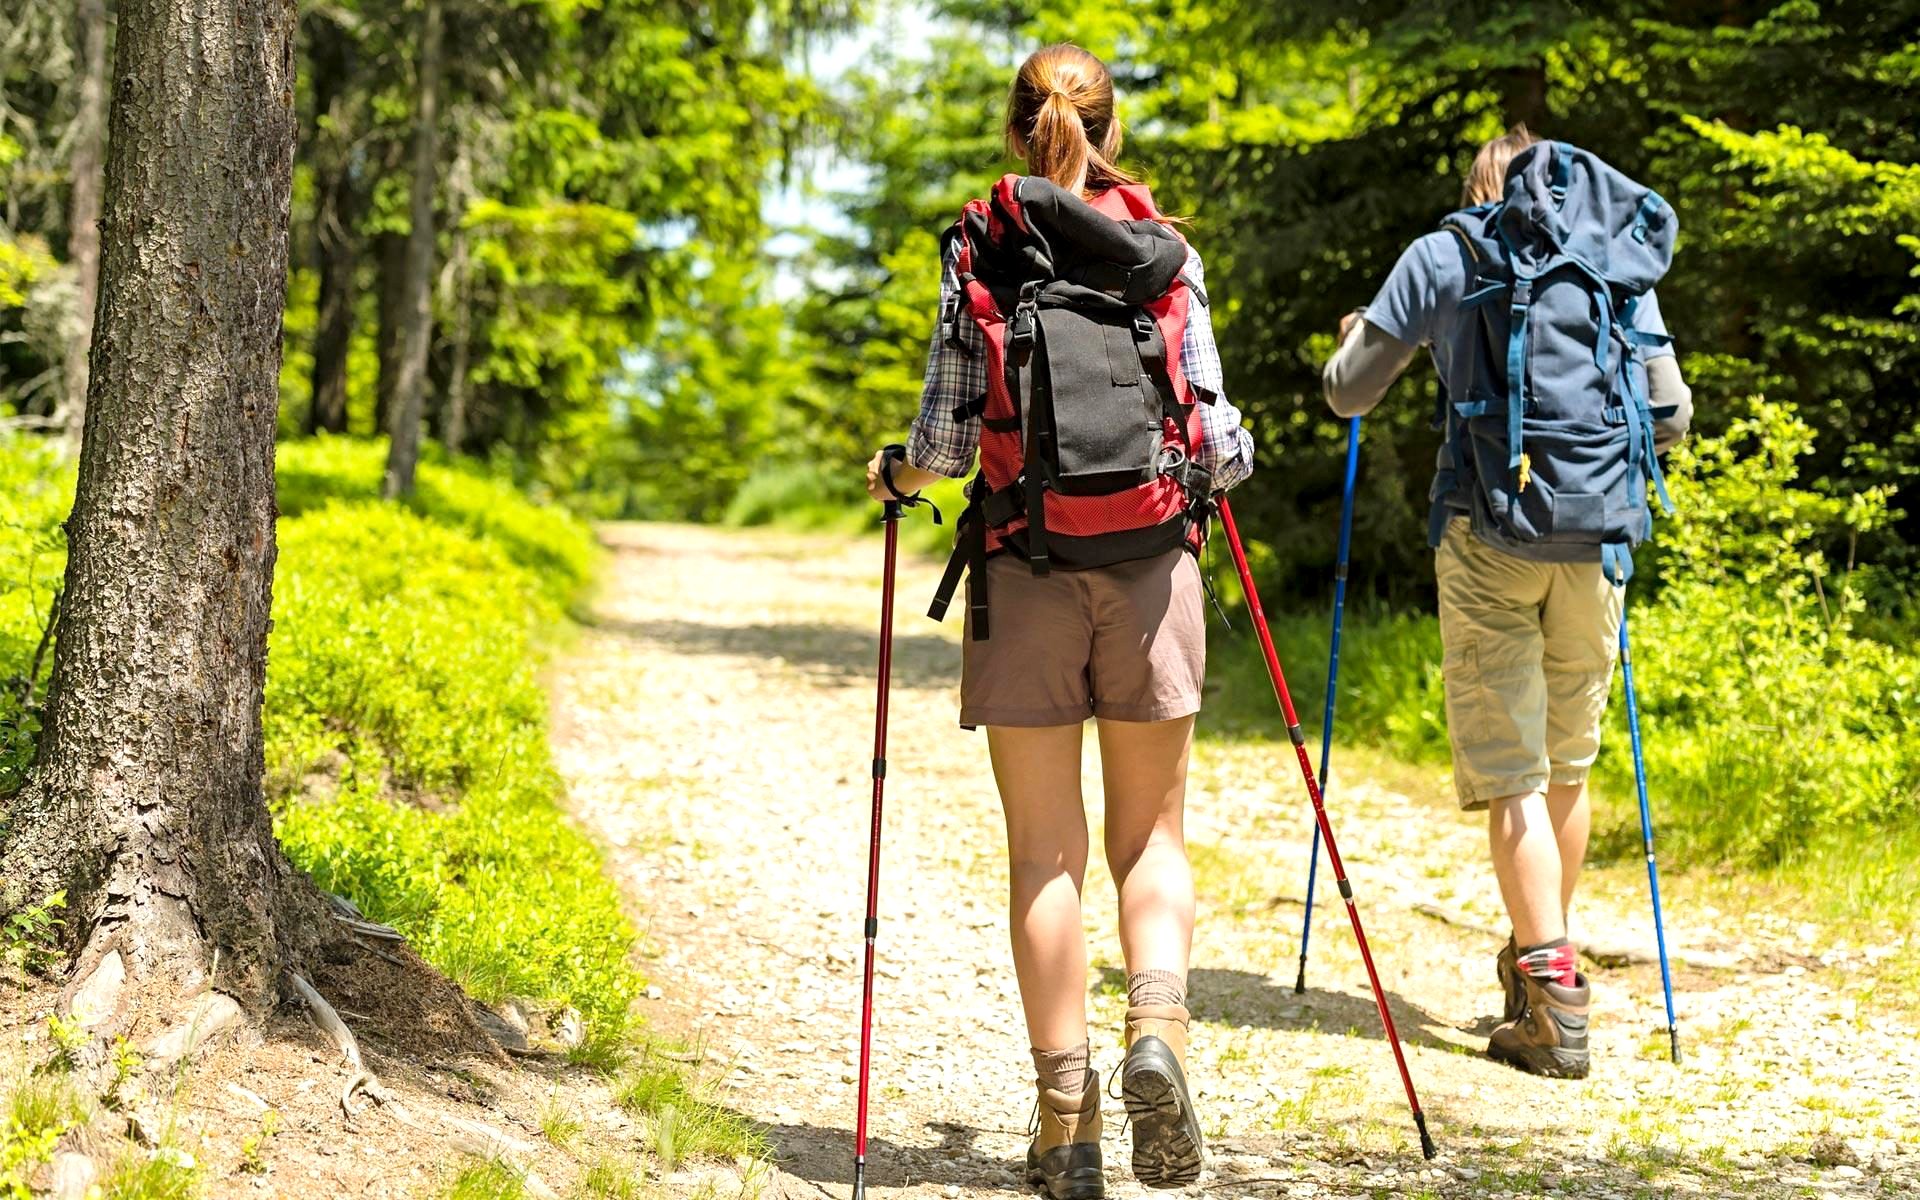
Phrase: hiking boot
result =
(1507, 966)
(1064, 1159)
(1551, 1037)
(1153, 1083)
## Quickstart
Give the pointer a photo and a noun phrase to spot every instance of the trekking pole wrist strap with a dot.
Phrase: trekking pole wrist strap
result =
(898, 453)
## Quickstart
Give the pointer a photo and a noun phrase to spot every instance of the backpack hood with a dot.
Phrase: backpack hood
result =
(1562, 200)
(1037, 230)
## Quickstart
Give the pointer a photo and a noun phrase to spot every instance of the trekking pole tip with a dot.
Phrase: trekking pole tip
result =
(1426, 1139)
(1300, 980)
(859, 1181)
(1673, 1035)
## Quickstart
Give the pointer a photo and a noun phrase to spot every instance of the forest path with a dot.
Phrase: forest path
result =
(714, 726)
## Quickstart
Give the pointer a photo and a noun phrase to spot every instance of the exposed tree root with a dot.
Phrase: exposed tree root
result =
(359, 1079)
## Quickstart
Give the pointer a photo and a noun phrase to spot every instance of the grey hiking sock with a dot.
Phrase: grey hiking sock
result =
(1156, 987)
(1062, 1070)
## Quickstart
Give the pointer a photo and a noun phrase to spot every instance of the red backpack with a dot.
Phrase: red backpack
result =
(1089, 430)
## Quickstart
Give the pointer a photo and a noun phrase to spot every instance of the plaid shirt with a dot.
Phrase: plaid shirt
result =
(946, 446)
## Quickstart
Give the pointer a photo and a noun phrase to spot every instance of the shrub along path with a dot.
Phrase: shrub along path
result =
(714, 727)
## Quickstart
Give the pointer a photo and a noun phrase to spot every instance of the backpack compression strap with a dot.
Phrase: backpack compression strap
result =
(1023, 334)
(969, 555)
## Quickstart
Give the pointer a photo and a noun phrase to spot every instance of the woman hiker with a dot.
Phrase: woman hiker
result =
(1061, 295)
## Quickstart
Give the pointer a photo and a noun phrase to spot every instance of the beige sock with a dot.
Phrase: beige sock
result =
(1156, 987)
(1062, 1070)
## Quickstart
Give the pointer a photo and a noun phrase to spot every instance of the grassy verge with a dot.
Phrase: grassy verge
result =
(406, 739)
(406, 731)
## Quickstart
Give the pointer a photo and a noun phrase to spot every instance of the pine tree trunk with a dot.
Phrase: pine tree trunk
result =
(337, 241)
(1524, 96)
(83, 237)
(392, 248)
(146, 802)
(410, 381)
(453, 434)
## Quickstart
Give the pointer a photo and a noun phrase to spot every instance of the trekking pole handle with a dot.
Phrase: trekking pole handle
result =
(901, 500)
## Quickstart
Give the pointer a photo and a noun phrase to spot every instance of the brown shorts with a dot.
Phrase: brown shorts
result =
(1124, 643)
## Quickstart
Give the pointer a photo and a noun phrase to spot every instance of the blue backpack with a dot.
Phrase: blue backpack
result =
(1550, 446)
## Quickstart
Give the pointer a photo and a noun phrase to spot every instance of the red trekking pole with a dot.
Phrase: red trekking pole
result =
(1320, 814)
(891, 513)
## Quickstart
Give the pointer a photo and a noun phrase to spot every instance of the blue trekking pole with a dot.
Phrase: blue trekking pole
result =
(1646, 829)
(1333, 676)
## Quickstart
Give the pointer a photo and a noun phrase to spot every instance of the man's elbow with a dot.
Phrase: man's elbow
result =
(1344, 397)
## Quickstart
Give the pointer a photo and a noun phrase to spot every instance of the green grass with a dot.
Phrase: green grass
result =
(406, 728)
(813, 498)
(609, 1178)
(680, 1120)
(406, 749)
(484, 1180)
(137, 1175)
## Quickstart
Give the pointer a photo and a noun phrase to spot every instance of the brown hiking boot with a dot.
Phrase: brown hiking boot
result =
(1064, 1159)
(1551, 1037)
(1153, 1082)
(1507, 967)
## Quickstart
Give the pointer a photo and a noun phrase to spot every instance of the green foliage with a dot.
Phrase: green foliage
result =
(1768, 717)
(40, 1109)
(28, 937)
(36, 490)
(405, 727)
(139, 1175)
(406, 743)
(680, 1121)
(484, 1179)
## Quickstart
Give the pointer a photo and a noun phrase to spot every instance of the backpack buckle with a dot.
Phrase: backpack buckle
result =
(1026, 315)
(1144, 326)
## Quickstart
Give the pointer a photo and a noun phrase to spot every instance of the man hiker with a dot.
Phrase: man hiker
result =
(1541, 491)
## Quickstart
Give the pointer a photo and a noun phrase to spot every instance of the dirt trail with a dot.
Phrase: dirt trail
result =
(714, 728)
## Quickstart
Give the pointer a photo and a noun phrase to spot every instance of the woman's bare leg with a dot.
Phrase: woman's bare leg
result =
(1038, 771)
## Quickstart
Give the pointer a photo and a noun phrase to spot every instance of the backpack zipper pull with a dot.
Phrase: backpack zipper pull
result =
(1526, 469)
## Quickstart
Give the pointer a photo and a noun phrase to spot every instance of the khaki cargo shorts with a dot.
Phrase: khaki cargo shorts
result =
(1125, 643)
(1530, 648)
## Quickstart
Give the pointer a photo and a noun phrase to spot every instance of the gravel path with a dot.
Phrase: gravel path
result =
(714, 726)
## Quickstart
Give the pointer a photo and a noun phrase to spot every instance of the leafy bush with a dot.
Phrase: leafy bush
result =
(407, 737)
(36, 490)
(1774, 728)
(1769, 718)
(559, 550)
(405, 728)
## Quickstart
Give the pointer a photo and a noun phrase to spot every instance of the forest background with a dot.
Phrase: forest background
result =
(677, 261)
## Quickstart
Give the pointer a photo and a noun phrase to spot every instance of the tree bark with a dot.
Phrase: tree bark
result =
(454, 433)
(83, 226)
(146, 802)
(336, 240)
(1524, 96)
(392, 250)
(410, 381)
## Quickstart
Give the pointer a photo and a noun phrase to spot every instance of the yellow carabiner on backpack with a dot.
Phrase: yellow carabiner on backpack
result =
(1526, 469)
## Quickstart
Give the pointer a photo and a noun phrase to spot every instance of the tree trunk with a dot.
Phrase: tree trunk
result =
(392, 248)
(83, 236)
(410, 381)
(454, 433)
(146, 802)
(1524, 96)
(336, 241)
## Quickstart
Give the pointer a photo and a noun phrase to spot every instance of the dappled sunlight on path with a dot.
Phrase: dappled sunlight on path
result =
(714, 725)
